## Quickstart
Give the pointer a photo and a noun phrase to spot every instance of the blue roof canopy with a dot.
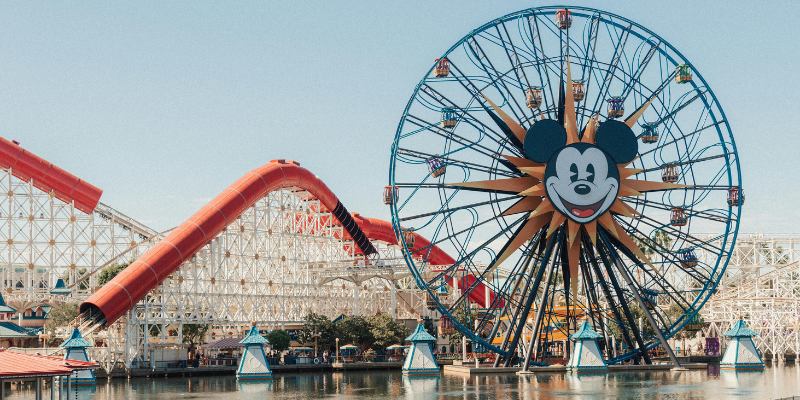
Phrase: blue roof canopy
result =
(420, 335)
(60, 288)
(76, 341)
(585, 332)
(5, 308)
(254, 338)
(740, 329)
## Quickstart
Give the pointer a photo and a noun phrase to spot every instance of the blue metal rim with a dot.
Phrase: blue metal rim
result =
(722, 127)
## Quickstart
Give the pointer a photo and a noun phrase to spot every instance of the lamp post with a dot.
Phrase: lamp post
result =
(337, 349)
(316, 336)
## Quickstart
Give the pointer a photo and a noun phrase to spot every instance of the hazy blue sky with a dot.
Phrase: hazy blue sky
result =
(163, 104)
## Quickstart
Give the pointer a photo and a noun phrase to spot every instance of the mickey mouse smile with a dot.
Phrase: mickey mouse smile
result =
(580, 210)
(581, 181)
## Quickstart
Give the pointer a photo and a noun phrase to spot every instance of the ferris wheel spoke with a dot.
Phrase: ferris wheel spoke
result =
(671, 115)
(658, 331)
(447, 210)
(515, 50)
(480, 278)
(704, 214)
(689, 161)
(514, 60)
(591, 47)
(610, 298)
(540, 48)
(496, 77)
(530, 292)
(640, 68)
(606, 256)
(461, 260)
(606, 84)
(679, 235)
(669, 256)
(445, 102)
(513, 242)
(515, 277)
(498, 138)
(472, 145)
(682, 137)
(656, 277)
(450, 161)
(590, 287)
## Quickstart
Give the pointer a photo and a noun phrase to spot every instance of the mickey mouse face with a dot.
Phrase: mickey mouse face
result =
(581, 179)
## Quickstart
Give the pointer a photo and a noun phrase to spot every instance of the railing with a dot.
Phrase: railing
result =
(370, 358)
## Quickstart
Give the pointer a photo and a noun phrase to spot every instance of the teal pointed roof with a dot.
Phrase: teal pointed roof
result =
(76, 341)
(9, 329)
(5, 308)
(740, 329)
(585, 332)
(60, 288)
(420, 335)
(254, 338)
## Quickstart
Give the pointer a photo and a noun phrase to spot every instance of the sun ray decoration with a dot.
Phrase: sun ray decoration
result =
(536, 200)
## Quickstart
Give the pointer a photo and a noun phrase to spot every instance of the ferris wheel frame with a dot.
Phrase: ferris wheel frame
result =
(699, 85)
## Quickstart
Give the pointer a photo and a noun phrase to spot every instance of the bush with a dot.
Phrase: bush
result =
(279, 340)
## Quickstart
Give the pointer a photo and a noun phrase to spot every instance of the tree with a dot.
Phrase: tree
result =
(279, 340)
(386, 331)
(464, 316)
(108, 273)
(60, 316)
(317, 329)
(651, 246)
(355, 330)
(193, 334)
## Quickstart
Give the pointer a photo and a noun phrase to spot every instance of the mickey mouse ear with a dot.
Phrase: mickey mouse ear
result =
(544, 139)
(617, 140)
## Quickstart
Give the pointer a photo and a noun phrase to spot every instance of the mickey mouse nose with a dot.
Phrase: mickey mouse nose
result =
(582, 189)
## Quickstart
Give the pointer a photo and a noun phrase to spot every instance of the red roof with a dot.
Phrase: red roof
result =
(48, 177)
(21, 365)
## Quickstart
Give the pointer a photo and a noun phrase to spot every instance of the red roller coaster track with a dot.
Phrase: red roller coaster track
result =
(48, 177)
(120, 294)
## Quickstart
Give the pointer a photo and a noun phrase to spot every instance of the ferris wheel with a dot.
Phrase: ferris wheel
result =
(566, 159)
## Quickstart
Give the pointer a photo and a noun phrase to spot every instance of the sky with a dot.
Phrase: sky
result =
(164, 104)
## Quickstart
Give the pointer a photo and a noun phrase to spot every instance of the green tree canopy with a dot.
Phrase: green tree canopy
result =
(193, 334)
(60, 316)
(386, 331)
(108, 273)
(279, 340)
(355, 330)
(320, 328)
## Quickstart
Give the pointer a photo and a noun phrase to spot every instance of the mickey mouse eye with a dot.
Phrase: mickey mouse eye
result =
(590, 173)
(573, 169)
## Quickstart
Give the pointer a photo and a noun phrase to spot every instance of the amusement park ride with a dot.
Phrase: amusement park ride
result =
(552, 167)
(565, 159)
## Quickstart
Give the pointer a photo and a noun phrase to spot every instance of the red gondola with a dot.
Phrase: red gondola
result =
(735, 196)
(578, 91)
(678, 217)
(442, 68)
(563, 18)
(390, 194)
(670, 173)
(533, 97)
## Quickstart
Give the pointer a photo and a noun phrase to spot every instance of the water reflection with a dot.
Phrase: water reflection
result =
(421, 387)
(385, 385)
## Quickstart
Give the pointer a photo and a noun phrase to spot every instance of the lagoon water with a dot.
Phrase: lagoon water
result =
(772, 383)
